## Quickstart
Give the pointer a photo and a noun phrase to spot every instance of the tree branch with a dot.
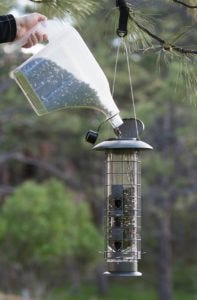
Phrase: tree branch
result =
(185, 4)
(166, 46)
(6, 190)
(36, 162)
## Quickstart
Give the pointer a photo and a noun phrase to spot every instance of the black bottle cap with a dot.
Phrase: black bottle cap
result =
(91, 136)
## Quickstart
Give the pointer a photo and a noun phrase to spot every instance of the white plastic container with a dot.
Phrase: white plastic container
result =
(65, 74)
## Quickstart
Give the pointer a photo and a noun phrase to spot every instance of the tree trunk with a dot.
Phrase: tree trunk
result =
(73, 273)
(164, 258)
(101, 280)
(166, 202)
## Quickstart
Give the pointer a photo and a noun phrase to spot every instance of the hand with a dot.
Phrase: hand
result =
(26, 23)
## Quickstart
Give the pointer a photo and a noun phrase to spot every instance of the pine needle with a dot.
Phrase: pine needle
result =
(78, 9)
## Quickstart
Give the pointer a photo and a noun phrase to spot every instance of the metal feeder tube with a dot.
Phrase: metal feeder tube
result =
(123, 203)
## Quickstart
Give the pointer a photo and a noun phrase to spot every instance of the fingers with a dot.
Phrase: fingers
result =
(35, 38)
(45, 38)
(27, 23)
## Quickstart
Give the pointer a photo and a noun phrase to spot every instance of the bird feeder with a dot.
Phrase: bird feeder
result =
(123, 199)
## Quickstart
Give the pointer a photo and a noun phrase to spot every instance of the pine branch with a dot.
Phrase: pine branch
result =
(185, 4)
(77, 9)
(166, 46)
(4, 157)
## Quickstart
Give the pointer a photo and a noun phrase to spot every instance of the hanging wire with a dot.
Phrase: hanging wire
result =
(122, 42)
(131, 88)
(115, 68)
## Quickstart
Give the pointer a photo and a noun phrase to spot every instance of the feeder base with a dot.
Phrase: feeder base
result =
(124, 269)
(122, 274)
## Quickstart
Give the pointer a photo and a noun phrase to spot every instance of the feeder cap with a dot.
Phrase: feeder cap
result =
(91, 136)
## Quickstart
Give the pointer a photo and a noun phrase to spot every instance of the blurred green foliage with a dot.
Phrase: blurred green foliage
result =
(45, 224)
(118, 290)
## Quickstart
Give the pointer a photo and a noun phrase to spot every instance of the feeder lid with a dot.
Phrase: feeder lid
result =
(128, 139)
(120, 144)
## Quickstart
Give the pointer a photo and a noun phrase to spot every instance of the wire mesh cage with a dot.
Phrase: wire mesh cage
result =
(122, 221)
(123, 207)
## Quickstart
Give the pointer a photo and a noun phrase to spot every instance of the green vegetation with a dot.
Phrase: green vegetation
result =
(45, 224)
(117, 291)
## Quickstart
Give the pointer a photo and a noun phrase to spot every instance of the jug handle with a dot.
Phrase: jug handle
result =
(49, 27)
(13, 46)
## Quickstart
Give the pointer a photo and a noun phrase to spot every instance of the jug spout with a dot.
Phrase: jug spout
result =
(116, 121)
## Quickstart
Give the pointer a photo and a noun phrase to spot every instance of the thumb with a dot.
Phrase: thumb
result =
(41, 18)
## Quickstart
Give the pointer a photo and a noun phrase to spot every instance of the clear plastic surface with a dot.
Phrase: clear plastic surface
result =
(65, 74)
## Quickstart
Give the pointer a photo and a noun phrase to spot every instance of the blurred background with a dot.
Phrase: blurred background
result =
(52, 183)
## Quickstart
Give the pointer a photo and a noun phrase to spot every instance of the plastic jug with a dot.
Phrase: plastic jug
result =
(65, 74)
